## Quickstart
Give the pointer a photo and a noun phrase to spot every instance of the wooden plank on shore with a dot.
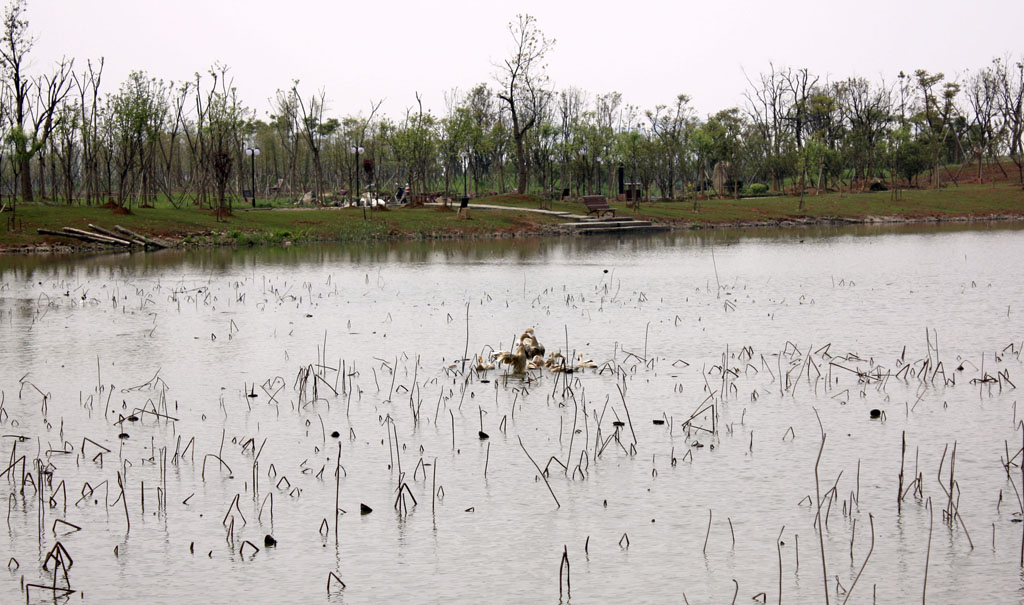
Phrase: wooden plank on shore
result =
(139, 236)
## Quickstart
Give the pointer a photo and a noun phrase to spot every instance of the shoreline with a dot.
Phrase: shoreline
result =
(212, 239)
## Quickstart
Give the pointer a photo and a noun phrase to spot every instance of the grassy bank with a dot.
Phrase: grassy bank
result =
(199, 227)
(969, 201)
(194, 226)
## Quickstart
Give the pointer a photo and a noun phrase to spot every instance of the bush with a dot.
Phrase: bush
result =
(758, 189)
(878, 186)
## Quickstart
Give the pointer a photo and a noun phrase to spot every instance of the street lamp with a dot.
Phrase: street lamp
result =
(583, 181)
(252, 152)
(551, 178)
(356, 149)
(465, 178)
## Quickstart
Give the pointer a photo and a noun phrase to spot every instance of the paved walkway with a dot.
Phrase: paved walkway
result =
(558, 213)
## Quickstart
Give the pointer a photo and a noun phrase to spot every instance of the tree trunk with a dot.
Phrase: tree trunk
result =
(521, 165)
(26, 179)
(42, 175)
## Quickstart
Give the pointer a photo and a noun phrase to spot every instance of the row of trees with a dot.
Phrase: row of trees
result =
(68, 137)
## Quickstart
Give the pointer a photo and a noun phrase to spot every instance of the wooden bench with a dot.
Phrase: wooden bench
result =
(597, 204)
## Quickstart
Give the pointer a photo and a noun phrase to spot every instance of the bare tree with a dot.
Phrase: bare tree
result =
(522, 80)
(1011, 105)
(88, 85)
(312, 129)
(169, 146)
(31, 124)
(285, 122)
(769, 109)
(985, 128)
(867, 114)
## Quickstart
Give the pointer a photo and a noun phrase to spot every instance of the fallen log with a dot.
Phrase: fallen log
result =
(91, 238)
(114, 235)
(103, 239)
(138, 236)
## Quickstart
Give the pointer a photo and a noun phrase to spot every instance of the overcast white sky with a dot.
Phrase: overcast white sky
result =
(648, 50)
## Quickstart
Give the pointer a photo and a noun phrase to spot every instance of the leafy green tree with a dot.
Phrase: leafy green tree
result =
(672, 126)
(725, 130)
(136, 118)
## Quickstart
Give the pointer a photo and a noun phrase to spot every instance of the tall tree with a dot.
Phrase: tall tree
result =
(314, 130)
(985, 129)
(770, 107)
(671, 126)
(225, 118)
(936, 115)
(89, 110)
(523, 85)
(31, 123)
(136, 119)
(1011, 106)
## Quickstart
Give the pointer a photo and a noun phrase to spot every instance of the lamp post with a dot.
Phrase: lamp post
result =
(252, 152)
(465, 176)
(356, 149)
(551, 176)
(584, 179)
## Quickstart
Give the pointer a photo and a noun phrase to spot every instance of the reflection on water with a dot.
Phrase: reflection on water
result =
(752, 336)
(531, 249)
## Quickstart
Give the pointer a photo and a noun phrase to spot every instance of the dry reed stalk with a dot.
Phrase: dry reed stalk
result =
(871, 549)
(778, 548)
(928, 552)
(124, 500)
(708, 534)
(466, 352)
(564, 565)
(333, 577)
(540, 472)
(487, 460)
(337, 492)
(952, 511)
(817, 489)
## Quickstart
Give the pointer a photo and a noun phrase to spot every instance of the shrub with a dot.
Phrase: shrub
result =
(758, 189)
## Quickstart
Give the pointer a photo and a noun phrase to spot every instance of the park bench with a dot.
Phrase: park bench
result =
(597, 204)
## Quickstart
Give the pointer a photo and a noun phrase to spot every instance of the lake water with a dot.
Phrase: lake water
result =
(737, 342)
